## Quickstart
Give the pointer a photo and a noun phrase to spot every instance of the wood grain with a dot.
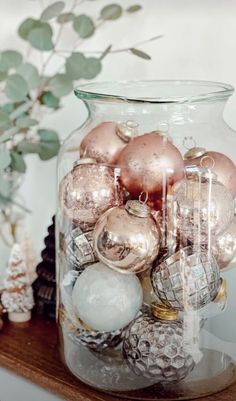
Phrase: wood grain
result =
(31, 350)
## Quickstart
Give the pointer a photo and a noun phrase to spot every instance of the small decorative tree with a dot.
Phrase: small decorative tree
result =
(17, 296)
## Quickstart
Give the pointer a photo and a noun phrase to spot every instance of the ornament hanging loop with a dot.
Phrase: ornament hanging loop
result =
(189, 142)
(145, 199)
(204, 163)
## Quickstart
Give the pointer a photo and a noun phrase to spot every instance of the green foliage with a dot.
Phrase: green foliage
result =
(5, 121)
(140, 53)
(93, 68)
(49, 143)
(111, 12)
(26, 122)
(49, 100)
(84, 26)
(5, 158)
(52, 11)
(41, 39)
(16, 88)
(61, 85)
(30, 73)
(65, 17)
(75, 65)
(9, 59)
(17, 162)
(134, 8)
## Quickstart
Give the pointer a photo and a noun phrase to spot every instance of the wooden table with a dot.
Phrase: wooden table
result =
(31, 351)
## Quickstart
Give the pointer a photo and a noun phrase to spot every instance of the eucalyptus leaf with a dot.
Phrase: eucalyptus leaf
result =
(30, 73)
(5, 159)
(8, 108)
(17, 162)
(26, 122)
(3, 75)
(25, 28)
(140, 54)
(49, 142)
(76, 64)
(41, 39)
(93, 68)
(16, 88)
(60, 85)
(84, 26)
(9, 59)
(134, 8)
(106, 52)
(50, 100)
(5, 188)
(52, 11)
(8, 134)
(111, 12)
(48, 135)
(65, 17)
(21, 109)
(28, 147)
(5, 121)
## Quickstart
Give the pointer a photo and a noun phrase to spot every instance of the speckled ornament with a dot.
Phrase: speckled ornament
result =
(224, 247)
(88, 191)
(149, 163)
(127, 238)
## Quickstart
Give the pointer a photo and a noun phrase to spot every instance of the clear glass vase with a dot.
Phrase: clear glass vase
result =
(146, 240)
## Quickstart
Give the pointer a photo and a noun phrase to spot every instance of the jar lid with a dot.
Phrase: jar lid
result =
(163, 312)
(127, 130)
(194, 153)
(87, 160)
(222, 293)
(137, 208)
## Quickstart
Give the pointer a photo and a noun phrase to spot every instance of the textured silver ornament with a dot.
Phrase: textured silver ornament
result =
(224, 247)
(79, 249)
(187, 280)
(155, 348)
(96, 340)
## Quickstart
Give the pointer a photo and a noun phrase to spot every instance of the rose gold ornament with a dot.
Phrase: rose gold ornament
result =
(224, 248)
(88, 191)
(150, 162)
(105, 142)
(127, 238)
(218, 162)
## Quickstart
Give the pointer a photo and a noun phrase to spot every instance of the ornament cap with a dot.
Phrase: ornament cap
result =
(194, 153)
(87, 160)
(86, 326)
(126, 131)
(137, 208)
(163, 312)
(222, 293)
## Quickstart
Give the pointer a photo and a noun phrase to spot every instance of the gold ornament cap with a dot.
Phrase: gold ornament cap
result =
(87, 160)
(163, 312)
(137, 208)
(222, 293)
(127, 130)
(194, 153)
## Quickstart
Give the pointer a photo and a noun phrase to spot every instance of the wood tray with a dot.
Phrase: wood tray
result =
(31, 350)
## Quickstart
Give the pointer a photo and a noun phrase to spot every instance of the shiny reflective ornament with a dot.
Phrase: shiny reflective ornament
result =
(149, 163)
(154, 347)
(224, 248)
(204, 207)
(105, 142)
(219, 163)
(127, 238)
(88, 191)
(187, 280)
(79, 248)
(106, 300)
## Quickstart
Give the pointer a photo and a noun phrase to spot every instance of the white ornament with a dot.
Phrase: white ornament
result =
(105, 299)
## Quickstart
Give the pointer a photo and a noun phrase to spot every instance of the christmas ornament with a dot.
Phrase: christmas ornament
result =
(105, 142)
(79, 248)
(149, 163)
(45, 284)
(106, 300)
(154, 348)
(97, 341)
(88, 191)
(204, 207)
(17, 296)
(219, 163)
(127, 238)
(187, 280)
(224, 247)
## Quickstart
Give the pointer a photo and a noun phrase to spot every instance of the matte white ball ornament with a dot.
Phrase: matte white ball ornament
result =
(105, 299)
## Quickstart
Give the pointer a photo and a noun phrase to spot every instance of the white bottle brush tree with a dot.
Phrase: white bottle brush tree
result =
(17, 296)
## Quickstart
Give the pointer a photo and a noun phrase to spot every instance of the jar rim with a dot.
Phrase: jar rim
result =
(154, 91)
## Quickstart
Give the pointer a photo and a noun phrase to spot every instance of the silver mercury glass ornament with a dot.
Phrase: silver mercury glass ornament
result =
(187, 280)
(127, 238)
(154, 346)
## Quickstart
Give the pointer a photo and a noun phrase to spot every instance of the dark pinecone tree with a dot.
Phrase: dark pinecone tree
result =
(45, 285)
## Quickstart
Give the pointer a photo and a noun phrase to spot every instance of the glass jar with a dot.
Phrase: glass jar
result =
(146, 238)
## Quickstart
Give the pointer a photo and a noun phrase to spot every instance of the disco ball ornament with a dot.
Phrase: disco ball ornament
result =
(79, 249)
(106, 300)
(204, 207)
(187, 280)
(219, 163)
(105, 142)
(149, 163)
(127, 238)
(154, 347)
(224, 247)
(88, 191)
